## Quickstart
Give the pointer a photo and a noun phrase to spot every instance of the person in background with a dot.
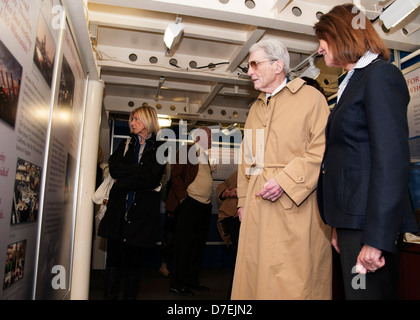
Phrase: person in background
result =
(132, 219)
(228, 222)
(190, 196)
(363, 188)
(167, 242)
(284, 247)
(102, 172)
(313, 83)
(168, 231)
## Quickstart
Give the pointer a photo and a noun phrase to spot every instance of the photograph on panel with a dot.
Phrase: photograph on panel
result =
(44, 54)
(15, 263)
(26, 192)
(66, 90)
(10, 80)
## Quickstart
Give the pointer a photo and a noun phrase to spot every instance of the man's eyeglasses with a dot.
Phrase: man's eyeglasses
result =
(254, 64)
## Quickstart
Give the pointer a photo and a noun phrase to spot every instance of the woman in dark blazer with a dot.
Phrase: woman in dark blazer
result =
(132, 219)
(363, 185)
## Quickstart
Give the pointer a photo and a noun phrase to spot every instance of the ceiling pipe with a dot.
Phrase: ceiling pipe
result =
(410, 56)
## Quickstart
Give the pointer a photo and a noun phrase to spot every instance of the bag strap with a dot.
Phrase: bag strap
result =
(127, 143)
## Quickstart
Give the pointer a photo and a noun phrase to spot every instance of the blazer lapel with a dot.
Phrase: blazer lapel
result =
(352, 82)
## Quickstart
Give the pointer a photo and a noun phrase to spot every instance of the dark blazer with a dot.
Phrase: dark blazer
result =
(139, 226)
(364, 176)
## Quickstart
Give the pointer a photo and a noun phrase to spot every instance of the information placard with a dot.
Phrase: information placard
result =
(42, 96)
(412, 77)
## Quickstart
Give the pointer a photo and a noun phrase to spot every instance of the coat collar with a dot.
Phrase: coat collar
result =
(150, 140)
(358, 72)
(293, 86)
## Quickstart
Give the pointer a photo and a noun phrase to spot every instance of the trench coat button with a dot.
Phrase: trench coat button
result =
(324, 171)
(300, 178)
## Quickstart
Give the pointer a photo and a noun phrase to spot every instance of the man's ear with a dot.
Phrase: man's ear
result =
(279, 66)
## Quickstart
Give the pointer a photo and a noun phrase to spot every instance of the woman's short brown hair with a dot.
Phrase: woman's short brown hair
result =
(148, 116)
(349, 34)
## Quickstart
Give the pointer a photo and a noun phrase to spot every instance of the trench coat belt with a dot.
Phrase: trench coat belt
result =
(284, 200)
(260, 167)
(274, 165)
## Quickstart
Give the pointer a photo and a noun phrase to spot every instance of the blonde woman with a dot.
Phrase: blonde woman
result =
(131, 221)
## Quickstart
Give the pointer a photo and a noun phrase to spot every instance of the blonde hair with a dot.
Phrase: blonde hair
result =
(148, 116)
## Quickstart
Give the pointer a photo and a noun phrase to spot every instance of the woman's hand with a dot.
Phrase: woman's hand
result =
(334, 240)
(370, 259)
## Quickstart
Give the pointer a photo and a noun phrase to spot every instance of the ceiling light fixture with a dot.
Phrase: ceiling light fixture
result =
(173, 34)
(164, 121)
(398, 11)
(312, 71)
(161, 81)
(250, 4)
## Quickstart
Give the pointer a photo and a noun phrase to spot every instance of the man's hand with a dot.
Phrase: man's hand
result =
(240, 212)
(229, 193)
(271, 191)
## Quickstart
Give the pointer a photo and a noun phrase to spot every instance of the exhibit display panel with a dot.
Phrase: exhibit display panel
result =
(42, 88)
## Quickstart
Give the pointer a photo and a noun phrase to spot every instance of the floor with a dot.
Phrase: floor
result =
(154, 286)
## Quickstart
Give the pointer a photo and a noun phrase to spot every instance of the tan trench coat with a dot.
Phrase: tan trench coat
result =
(284, 247)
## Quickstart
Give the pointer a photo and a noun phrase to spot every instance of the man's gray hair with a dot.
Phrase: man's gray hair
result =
(274, 49)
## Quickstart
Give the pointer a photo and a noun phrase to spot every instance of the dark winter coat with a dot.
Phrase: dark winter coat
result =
(139, 224)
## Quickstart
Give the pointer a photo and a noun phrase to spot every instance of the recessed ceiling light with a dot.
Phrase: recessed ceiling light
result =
(250, 4)
(132, 57)
(297, 11)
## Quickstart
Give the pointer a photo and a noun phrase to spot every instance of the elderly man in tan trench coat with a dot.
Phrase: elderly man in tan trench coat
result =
(284, 247)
